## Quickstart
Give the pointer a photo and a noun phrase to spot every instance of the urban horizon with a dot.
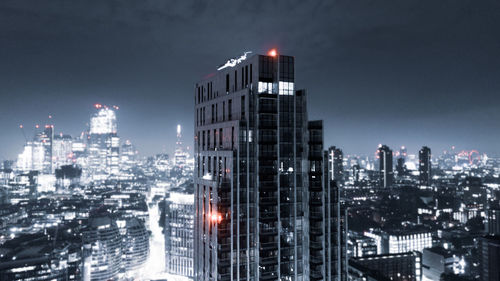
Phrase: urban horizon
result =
(243, 141)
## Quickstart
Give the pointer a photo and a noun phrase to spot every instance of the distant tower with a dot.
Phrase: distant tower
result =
(180, 156)
(424, 166)
(104, 143)
(384, 153)
(335, 164)
(400, 166)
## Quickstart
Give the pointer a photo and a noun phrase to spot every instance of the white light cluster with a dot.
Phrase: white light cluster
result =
(234, 61)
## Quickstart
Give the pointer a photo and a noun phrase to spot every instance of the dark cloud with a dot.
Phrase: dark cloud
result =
(401, 72)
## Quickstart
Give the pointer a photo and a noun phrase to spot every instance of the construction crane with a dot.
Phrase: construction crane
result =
(24, 133)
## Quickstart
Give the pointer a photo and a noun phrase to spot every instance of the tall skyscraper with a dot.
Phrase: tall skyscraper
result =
(180, 155)
(490, 258)
(103, 143)
(251, 174)
(424, 166)
(335, 216)
(384, 154)
(62, 151)
(493, 221)
(179, 228)
(45, 138)
(336, 165)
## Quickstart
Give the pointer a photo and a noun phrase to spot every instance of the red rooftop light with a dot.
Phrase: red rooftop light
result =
(272, 52)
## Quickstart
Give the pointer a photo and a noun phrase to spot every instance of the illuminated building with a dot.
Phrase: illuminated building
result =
(397, 241)
(42, 256)
(335, 162)
(104, 243)
(361, 246)
(251, 172)
(179, 228)
(437, 260)
(424, 167)
(180, 156)
(128, 156)
(45, 138)
(396, 267)
(493, 221)
(62, 150)
(384, 154)
(104, 144)
(25, 159)
(335, 234)
(135, 244)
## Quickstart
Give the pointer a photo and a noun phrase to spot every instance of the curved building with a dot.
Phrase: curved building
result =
(105, 254)
(135, 244)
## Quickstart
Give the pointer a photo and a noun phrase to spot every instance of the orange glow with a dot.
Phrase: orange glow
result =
(215, 218)
(97, 105)
(36, 126)
(21, 126)
(272, 52)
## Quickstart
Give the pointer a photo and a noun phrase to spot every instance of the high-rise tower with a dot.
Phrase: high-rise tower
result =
(424, 165)
(251, 172)
(180, 156)
(384, 154)
(104, 143)
(335, 164)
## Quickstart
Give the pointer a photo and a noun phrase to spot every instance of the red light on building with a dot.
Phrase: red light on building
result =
(215, 218)
(97, 105)
(272, 52)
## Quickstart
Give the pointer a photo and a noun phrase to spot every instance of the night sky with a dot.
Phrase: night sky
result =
(397, 72)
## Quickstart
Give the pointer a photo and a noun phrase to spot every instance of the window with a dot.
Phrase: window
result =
(246, 75)
(235, 80)
(227, 83)
(230, 109)
(265, 87)
(242, 77)
(208, 139)
(242, 107)
(232, 137)
(223, 111)
(215, 138)
(251, 73)
(213, 113)
(220, 137)
(286, 88)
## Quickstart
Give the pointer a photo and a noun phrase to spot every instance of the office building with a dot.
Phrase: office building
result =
(336, 240)
(103, 144)
(437, 261)
(62, 151)
(179, 228)
(103, 244)
(490, 258)
(493, 221)
(395, 241)
(424, 166)
(396, 267)
(384, 155)
(251, 190)
(135, 244)
(336, 165)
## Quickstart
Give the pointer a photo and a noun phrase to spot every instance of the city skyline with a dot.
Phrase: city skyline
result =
(428, 77)
(283, 140)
